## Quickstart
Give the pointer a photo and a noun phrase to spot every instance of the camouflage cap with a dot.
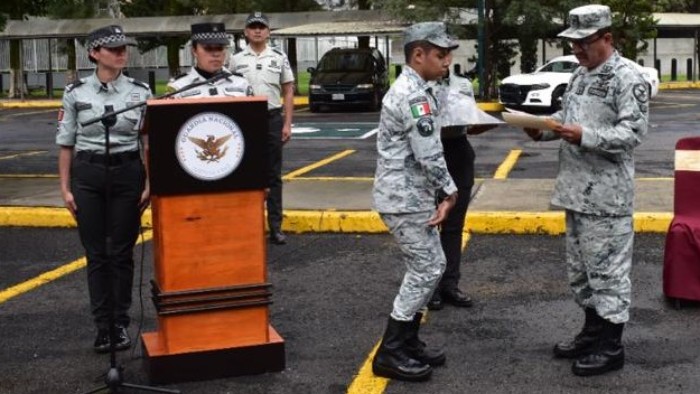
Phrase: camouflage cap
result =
(587, 20)
(433, 32)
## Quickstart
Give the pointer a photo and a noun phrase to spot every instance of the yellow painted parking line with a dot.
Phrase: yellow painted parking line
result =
(32, 153)
(28, 113)
(366, 382)
(23, 176)
(318, 164)
(49, 217)
(508, 164)
(332, 178)
(50, 276)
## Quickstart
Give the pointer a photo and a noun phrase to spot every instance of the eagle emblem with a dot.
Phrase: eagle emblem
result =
(213, 148)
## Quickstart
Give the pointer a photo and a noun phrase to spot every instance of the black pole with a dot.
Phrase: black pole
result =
(482, 51)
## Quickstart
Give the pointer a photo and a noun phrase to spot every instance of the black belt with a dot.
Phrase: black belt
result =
(274, 112)
(115, 159)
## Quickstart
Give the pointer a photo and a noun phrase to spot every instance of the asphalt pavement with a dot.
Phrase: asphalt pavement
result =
(334, 282)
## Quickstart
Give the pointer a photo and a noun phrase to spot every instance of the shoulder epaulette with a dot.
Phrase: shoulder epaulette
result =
(236, 74)
(175, 78)
(139, 83)
(278, 51)
(74, 85)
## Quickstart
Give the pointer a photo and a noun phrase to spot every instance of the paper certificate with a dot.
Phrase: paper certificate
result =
(525, 120)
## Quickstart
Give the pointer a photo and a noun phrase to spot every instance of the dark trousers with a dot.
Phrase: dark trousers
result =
(274, 148)
(459, 156)
(110, 275)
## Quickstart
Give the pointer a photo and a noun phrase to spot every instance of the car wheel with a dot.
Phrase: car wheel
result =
(314, 108)
(557, 96)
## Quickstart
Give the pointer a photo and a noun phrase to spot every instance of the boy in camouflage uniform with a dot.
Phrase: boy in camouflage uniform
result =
(411, 173)
(603, 118)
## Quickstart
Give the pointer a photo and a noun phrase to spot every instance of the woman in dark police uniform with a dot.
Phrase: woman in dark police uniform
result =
(85, 181)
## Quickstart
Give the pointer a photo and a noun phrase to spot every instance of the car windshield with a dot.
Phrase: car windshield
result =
(559, 67)
(345, 62)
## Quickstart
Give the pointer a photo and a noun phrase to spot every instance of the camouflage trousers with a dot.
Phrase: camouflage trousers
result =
(599, 261)
(423, 257)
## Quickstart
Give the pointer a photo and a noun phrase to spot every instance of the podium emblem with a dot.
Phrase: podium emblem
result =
(209, 146)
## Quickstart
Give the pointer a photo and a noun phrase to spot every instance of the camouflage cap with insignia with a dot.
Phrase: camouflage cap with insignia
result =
(587, 20)
(109, 37)
(210, 34)
(433, 32)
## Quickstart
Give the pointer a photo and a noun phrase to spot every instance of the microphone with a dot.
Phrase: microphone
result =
(109, 118)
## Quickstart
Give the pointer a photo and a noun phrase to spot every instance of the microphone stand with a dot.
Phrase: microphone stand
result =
(113, 378)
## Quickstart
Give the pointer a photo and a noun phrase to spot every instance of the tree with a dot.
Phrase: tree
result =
(71, 9)
(633, 25)
(18, 10)
(684, 6)
(136, 8)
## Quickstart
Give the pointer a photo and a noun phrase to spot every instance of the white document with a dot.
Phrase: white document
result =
(525, 120)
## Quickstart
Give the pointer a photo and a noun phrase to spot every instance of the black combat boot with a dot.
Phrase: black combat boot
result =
(418, 350)
(585, 341)
(393, 360)
(609, 354)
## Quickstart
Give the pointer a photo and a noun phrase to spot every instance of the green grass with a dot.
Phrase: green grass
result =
(679, 78)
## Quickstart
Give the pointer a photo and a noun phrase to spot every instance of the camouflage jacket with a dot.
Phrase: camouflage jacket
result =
(611, 103)
(411, 167)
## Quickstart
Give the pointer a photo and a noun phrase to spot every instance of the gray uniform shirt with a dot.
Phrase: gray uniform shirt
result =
(611, 103)
(86, 98)
(411, 167)
(231, 86)
(266, 72)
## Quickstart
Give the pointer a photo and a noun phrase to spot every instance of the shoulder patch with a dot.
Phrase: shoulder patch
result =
(640, 93)
(74, 85)
(425, 126)
(420, 107)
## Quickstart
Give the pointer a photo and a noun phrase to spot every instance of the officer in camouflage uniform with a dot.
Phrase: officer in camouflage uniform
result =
(85, 180)
(410, 174)
(209, 43)
(603, 118)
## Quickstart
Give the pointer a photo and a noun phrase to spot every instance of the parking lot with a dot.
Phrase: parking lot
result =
(332, 292)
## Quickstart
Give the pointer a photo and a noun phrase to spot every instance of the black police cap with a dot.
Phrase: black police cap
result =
(109, 37)
(257, 17)
(209, 33)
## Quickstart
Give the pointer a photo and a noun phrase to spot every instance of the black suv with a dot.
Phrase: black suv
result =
(349, 76)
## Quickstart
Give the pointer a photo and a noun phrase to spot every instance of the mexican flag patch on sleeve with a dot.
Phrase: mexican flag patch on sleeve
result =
(419, 109)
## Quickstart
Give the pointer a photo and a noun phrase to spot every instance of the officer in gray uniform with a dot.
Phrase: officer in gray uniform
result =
(269, 73)
(209, 44)
(85, 180)
(411, 174)
(603, 118)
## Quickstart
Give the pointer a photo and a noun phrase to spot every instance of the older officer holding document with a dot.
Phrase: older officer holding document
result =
(603, 118)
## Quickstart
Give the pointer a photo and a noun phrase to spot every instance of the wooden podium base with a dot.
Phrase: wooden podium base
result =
(163, 368)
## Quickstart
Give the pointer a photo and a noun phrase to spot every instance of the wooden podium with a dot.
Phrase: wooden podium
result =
(208, 171)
